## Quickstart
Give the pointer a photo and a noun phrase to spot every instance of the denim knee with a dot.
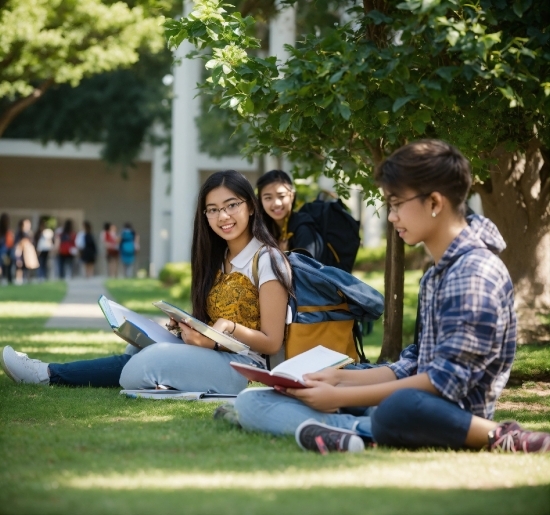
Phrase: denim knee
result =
(414, 418)
(246, 406)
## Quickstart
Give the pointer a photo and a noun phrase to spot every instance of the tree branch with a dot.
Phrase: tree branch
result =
(375, 148)
(20, 105)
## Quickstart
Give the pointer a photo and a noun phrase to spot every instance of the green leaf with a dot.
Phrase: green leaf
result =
(323, 102)
(409, 5)
(400, 102)
(447, 72)
(383, 117)
(336, 77)
(520, 6)
(378, 17)
(345, 111)
(419, 126)
(284, 122)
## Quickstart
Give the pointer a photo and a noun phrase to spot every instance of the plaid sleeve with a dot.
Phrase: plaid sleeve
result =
(407, 364)
(467, 325)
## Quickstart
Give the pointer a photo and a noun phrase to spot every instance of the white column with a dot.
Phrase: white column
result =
(282, 31)
(185, 154)
(161, 211)
(373, 225)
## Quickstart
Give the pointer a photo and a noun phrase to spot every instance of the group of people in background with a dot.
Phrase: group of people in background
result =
(25, 254)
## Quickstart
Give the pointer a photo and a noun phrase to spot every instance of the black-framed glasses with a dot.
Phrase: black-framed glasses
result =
(230, 209)
(393, 207)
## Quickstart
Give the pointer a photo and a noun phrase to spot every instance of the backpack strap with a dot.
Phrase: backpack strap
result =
(255, 261)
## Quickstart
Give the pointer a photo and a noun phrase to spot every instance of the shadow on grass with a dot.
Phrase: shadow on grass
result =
(316, 501)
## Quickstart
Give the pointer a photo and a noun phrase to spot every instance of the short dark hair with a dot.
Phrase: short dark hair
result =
(425, 166)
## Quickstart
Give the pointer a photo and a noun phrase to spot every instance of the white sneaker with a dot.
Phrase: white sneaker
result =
(22, 369)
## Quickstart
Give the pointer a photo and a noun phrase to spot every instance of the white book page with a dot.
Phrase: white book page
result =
(155, 331)
(312, 360)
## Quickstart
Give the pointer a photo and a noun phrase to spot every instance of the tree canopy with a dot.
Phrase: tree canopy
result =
(47, 42)
(474, 73)
(402, 71)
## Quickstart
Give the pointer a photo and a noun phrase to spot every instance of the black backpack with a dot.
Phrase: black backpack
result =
(340, 232)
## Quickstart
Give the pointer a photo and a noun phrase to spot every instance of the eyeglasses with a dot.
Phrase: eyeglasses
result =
(394, 207)
(230, 209)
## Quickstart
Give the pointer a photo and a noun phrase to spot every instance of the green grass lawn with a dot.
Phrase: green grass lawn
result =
(90, 451)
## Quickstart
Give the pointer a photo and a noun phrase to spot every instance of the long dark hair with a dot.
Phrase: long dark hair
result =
(67, 227)
(208, 249)
(273, 176)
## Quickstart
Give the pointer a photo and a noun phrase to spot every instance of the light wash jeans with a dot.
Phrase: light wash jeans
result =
(407, 418)
(263, 409)
(184, 367)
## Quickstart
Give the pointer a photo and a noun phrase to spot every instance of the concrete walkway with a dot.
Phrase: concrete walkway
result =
(79, 309)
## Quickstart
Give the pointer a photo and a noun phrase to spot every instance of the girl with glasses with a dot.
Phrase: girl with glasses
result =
(228, 231)
(292, 230)
(443, 390)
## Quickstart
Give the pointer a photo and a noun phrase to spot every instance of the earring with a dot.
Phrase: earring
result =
(433, 214)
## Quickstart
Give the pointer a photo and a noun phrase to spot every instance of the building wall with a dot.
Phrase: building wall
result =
(80, 189)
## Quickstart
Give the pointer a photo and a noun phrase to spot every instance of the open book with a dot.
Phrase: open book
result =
(179, 395)
(133, 328)
(179, 315)
(289, 374)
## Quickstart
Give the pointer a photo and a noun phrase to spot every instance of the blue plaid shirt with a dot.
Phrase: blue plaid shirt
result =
(467, 338)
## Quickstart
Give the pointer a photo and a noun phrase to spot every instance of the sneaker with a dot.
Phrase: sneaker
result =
(22, 369)
(227, 412)
(318, 437)
(509, 436)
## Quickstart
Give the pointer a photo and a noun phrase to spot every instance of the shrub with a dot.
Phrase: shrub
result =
(373, 259)
(178, 276)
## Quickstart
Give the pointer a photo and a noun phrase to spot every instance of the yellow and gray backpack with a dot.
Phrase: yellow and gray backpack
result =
(326, 304)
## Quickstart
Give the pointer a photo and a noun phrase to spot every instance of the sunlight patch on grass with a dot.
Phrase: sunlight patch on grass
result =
(516, 406)
(140, 417)
(142, 305)
(416, 470)
(65, 351)
(80, 337)
(27, 309)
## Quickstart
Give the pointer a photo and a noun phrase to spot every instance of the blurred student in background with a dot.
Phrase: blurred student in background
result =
(6, 248)
(129, 246)
(43, 241)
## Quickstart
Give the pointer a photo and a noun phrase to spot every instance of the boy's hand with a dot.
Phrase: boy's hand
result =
(329, 375)
(318, 395)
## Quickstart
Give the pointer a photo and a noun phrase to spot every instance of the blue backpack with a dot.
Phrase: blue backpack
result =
(127, 245)
(327, 303)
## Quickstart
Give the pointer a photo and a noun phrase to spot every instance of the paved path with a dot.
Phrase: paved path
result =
(79, 308)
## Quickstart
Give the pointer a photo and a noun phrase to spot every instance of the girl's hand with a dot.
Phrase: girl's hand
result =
(318, 395)
(225, 326)
(192, 337)
(329, 376)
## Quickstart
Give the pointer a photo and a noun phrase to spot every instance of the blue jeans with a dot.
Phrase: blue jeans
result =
(407, 418)
(184, 367)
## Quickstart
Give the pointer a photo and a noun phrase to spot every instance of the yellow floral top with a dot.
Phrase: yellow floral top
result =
(234, 298)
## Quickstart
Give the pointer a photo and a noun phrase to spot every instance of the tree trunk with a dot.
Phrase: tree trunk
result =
(394, 280)
(517, 199)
